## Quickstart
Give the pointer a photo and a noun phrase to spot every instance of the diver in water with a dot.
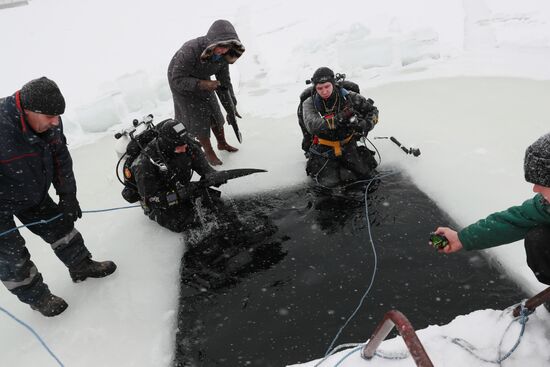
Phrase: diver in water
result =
(335, 118)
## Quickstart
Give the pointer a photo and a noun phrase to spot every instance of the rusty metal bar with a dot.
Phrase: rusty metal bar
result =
(395, 318)
(534, 302)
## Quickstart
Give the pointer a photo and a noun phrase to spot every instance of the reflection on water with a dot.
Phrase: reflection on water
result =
(279, 294)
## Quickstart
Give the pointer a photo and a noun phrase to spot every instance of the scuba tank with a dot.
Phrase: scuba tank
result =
(130, 143)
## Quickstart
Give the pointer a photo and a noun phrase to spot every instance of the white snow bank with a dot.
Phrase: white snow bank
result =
(483, 330)
(110, 59)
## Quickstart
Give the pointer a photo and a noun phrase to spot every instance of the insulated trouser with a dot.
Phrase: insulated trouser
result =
(17, 272)
(537, 248)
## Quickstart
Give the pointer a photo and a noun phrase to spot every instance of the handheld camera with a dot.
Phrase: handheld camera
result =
(438, 241)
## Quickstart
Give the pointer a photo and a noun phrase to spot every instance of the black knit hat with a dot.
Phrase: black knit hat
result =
(43, 96)
(172, 134)
(323, 75)
(537, 162)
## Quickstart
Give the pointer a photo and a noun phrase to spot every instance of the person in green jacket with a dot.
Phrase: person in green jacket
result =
(529, 221)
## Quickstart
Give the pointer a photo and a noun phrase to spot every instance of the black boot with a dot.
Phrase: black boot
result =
(91, 269)
(50, 305)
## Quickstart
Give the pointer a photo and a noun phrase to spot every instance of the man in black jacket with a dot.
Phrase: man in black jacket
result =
(189, 73)
(163, 172)
(33, 155)
(335, 118)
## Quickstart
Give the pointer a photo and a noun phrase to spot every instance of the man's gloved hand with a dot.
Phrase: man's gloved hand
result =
(360, 126)
(187, 192)
(208, 85)
(364, 125)
(209, 179)
(343, 117)
(348, 112)
(70, 207)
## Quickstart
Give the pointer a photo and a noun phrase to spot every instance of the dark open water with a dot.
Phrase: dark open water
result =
(297, 288)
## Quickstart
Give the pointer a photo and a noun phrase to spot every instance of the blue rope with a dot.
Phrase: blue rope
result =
(35, 334)
(354, 350)
(59, 215)
(375, 260)
(523, 321)
(31, 224)
(341, 346)
(525, 312)
(111, 209)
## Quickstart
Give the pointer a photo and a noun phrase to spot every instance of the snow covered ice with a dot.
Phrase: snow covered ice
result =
(466, 81)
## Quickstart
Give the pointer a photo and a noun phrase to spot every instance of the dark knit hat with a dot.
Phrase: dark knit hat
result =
(323, 75)
(537, 162)
(43, 96)
(172, 134)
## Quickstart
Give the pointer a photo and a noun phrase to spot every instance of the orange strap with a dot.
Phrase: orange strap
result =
(335, 144)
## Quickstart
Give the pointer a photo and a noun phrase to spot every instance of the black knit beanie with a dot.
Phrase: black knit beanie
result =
(537, 162)
(323, 75)
(172, 134)
(42, 96)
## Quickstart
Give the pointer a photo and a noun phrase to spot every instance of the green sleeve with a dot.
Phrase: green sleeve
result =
(506, 226)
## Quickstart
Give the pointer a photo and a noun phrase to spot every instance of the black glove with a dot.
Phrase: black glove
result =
(70, 207)
(187, 192)
(365, 126)
(208, 180)
(344, 117)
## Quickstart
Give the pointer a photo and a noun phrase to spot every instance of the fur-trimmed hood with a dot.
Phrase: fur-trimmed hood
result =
(223, 34)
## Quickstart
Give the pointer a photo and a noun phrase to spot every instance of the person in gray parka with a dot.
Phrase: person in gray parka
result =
(189, 73)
